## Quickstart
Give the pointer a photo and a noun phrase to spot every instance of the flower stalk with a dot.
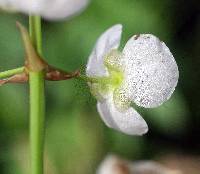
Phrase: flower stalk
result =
(37, 101)
(11, 72)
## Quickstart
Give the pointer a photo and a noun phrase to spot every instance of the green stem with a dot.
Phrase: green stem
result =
(11, 72)
(35, 32)
(37, 102)
(37, 113)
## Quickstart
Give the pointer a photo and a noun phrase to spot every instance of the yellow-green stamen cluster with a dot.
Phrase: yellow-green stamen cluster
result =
(101, 86)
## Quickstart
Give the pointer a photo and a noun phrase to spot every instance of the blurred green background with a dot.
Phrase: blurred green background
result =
(76, 138)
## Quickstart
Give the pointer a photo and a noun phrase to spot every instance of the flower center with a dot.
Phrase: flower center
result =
(116, 78)
(102, 86)
(113, 62)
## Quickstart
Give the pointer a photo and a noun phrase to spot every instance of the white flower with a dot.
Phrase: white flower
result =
(115, 165)
(49, 9)
(145, 73)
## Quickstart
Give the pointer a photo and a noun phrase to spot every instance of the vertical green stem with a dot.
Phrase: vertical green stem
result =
(37, 102)
(35, 32)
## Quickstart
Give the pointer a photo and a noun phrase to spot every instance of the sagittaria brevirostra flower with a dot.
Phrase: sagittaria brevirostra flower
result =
(113, 164)
(145, 73)
(48, 9)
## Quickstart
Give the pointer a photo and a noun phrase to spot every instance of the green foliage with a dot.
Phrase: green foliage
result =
(171, 117)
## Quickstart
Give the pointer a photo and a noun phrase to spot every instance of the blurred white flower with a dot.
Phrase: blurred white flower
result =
(115, 165)
(145, 73)
(48, 9)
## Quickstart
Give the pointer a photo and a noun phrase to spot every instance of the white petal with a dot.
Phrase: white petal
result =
(49, 9)
(151, 167)
(59, 9)
(128, 121)
(151, 72)
(116, 165)
(25, 6)
(113, 165)
(109, 40)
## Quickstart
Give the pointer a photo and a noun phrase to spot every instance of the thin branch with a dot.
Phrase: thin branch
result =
(11, 72)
